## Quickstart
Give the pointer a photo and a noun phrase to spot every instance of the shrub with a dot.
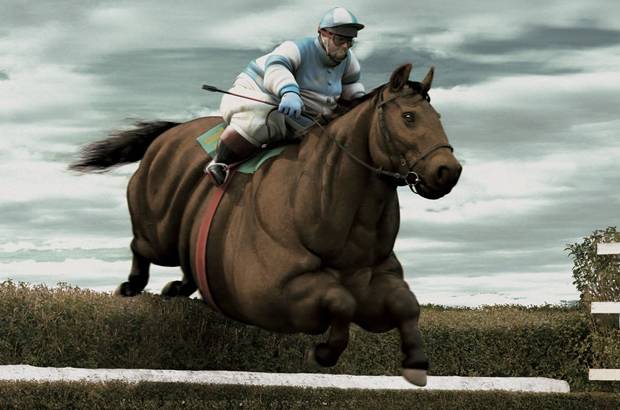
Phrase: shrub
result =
(597, 277)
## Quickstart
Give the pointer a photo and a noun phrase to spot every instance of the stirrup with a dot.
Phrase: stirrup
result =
(215, 171)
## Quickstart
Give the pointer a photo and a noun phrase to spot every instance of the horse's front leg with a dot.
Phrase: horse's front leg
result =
(404, 309)
(316, 301)
(388, 303)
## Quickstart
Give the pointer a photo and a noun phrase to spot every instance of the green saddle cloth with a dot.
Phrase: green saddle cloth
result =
(209, 140)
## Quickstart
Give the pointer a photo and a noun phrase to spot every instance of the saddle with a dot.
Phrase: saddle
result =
(209, 141)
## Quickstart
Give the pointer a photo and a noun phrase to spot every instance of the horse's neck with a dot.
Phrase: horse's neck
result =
(329, 163)
(337, 181)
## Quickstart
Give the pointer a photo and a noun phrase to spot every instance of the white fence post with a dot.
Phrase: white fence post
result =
(612, 248)
(606, 308)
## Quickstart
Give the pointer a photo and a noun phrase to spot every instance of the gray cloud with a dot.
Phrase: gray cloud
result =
(546, 38)
(14, 14)
(501, 93)
(451, 70)
(59, 216)
(61, 255)
(540, 121)
(515, 242)
(164, 81)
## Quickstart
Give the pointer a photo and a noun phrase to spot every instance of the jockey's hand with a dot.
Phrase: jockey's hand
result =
(291, 104)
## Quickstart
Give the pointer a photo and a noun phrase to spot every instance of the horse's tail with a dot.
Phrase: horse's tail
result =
(121, 148)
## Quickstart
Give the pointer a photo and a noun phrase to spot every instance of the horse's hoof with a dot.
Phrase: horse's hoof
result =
(415, 376)
(124, 289)
(324, 356)
(171, 289)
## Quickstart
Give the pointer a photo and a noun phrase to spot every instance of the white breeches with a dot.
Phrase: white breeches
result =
(249, 118)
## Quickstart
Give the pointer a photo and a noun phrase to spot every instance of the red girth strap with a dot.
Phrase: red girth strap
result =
(201, 246)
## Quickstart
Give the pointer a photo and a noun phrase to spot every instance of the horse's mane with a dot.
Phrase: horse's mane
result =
(346, 106)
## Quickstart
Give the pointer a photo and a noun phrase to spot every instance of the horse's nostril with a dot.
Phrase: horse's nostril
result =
(442, 173)
(447, 174)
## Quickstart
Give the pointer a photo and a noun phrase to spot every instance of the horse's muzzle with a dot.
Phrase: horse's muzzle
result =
(440, 175)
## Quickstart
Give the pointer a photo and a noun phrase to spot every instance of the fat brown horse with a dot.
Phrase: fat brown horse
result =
(305, 244)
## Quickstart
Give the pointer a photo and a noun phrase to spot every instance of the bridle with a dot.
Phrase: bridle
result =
(406, 174)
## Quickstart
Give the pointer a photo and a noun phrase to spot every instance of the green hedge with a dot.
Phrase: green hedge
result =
(156, 396)
(79, 328)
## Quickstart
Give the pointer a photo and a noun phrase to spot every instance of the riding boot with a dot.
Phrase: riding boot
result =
(233, 148)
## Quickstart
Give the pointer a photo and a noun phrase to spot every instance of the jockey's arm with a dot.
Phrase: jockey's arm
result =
(352, 88)
(352, 91)
(280, 67)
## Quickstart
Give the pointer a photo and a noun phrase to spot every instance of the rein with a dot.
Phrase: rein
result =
(406, 174)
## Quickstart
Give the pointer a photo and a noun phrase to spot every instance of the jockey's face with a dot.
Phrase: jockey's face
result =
(336, 46)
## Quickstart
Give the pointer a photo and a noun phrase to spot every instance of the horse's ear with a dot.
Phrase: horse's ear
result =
(399, 77)
(428, 80)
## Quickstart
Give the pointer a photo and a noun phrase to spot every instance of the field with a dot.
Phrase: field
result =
(70, 327)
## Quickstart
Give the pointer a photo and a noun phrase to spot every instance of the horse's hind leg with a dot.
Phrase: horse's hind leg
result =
(184, 287)
(317, 301)
(138, 276)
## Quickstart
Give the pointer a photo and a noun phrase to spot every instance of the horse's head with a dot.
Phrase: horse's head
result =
(409, 139)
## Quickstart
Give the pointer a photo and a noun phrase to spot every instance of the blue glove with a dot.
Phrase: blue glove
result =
(291, 104)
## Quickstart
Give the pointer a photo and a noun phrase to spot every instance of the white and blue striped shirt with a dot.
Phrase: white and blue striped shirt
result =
(304, 67)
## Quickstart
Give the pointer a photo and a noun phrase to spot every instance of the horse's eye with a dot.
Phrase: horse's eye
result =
(409, 116)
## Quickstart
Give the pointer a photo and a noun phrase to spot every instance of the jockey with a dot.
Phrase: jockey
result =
(312, 73)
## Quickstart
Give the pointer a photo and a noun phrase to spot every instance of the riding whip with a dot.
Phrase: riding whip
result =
(217, 90)
(213, 89)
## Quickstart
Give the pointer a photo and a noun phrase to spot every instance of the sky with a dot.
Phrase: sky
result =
(529, 94)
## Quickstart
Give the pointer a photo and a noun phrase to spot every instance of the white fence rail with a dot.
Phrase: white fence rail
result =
(612, 248)
(306, 380)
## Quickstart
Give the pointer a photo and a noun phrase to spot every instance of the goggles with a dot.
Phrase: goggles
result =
(341, 40)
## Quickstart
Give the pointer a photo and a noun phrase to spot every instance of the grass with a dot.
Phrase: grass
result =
(67, 326)
(156, 396)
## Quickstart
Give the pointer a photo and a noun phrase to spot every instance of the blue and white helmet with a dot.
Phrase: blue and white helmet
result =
(341, 21)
